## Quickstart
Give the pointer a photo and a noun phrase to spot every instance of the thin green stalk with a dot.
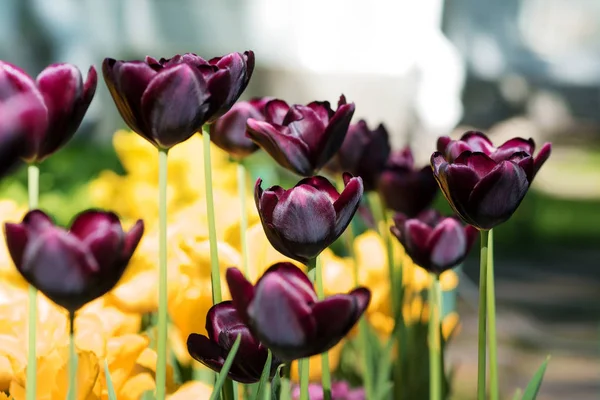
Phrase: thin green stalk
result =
(285, 391)
(303, 364)
(33, 185)
(491, 315)
(435, 347)
(241, 179)
(161, 364)
(72, 392)
(325, 372)
(481, 348)
(215, 275)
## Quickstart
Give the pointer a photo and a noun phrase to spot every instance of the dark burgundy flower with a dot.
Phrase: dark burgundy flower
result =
(404, 188)
(223, 325)
(302, 138)
(283, 311)
(364, 153)
(60, 98)
(76, 266)
(168, 100)
(483, 184)
(303, 221)
(229, 131)
(433, 242)
(340, 390)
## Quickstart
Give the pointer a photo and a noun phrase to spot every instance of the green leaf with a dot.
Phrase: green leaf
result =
(109, 385)
(264, 377)
(532, 389)
(225, 370)
(518, 394)
(384, 369)
(276, 383)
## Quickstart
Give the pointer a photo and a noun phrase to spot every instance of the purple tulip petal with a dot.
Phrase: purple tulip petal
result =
(275, 111)
(345, 206)
(442, 144)
(102, 233)
(478, 142)
(333, 137)
(512, 146)
(448, 244)
(322, 184)
(13, 81)
(416, 235)
(479, 163)
(16, 241)
(334, 317)
(322, 110)
(457, 181)
(205, 351)
(132, 239)
(242, 292)
(229, 131)
(296, 278)
(541, 158)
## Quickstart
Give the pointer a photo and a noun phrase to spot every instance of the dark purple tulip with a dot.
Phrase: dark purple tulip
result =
(433, 242)
(340, 390)
(302, 138)
(61, 99)
(303, 221)
(76, 266)
(283, 311)
(229, 131)
(404, 188)
(167, 101)
(223, 325)
(364, 153)
(483, 184)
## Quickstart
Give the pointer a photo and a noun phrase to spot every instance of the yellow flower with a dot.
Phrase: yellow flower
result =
(192, 391)
(315, 369)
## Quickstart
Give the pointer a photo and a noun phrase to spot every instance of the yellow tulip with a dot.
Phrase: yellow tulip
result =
(191, 391)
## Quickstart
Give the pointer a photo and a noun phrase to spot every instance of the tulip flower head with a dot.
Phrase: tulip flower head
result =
(283, 311)
(229, 131)
(433, 242)
(58, 100)
(404, 188)
(303, 221)
(364, 153)
(76, 266)
(223, 325)
(484, 184)
(302, 138)
(166, 101)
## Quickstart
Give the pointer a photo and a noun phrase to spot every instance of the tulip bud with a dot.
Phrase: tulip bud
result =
(404, 188)
(223, 325)
(60, 99)
(484, 184)
(167, 101)
(303, 221)
(76, 266)
(283, 311)
(302, 138)
(433, 242)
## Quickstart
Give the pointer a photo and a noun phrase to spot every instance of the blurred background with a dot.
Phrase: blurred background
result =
(527, 68)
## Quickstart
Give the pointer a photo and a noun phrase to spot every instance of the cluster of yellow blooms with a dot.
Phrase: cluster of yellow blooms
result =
(107, 330)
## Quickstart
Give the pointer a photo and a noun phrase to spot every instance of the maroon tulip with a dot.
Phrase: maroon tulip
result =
(433, 242)
(76, 266)
(483, 184)
(283, 311)
(303, 221)
(167, 101)
(223, 325)
(340, 390)
(229, 131)
(302, 138)
(404, 188)
(364, 153)
(60, 100)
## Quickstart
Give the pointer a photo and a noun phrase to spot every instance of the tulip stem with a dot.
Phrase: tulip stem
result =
(481, 365)
(285, 391)
(303, 365)
(435, 355)
(491, 312)
(161, 364)
(33, 185)
(325, 372)
(241, 180)
(215, 276)
(72, 392)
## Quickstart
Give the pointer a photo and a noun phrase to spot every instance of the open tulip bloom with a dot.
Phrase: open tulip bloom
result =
(302, 138)
(303, 221)
(223, 325)
(72, 267)
(484, 184)
(166, 101)
(58, 100)
(283, 311)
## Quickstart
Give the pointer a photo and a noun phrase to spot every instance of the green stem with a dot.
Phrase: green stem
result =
(215, 275)
(325, 372)
(481, 366)
(491, 315)
(435, 356)
(285, 391)
(33, 185)
(72, 392)
(161, 364)
(227, 390)
(241, 179)
(304, 364)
